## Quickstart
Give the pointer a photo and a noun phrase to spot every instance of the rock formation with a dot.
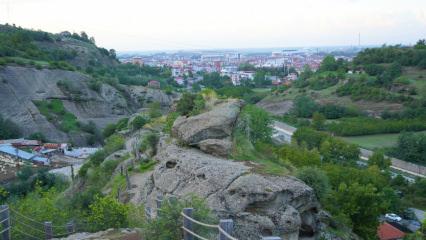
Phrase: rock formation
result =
(260, 205)
(210, 131)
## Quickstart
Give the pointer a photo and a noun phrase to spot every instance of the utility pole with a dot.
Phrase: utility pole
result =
(359, 40)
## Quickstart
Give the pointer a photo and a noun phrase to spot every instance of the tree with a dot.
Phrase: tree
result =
(378, 158)
(411, 147)
(362, 204)
(304, 106)
(318, 121)
(328, 64)
(315, 178)
(337, 151)
(185, 103)
(112, 53)
(255, 123)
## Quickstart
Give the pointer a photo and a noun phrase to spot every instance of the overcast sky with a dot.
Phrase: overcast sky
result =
(194, 24)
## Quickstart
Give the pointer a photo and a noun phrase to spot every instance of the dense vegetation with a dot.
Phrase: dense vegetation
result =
(8, 129)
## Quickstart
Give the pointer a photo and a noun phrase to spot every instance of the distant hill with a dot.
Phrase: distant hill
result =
(389, 78)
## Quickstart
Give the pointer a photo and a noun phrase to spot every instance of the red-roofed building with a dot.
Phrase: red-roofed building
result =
(389, 232)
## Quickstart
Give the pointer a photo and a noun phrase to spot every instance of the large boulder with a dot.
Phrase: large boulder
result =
(216, 147)
(259, 205)
(215, 124)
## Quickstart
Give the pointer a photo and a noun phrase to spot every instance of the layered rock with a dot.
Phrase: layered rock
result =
(259, 205)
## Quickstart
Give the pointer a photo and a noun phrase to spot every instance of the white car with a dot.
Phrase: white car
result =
(393, 217)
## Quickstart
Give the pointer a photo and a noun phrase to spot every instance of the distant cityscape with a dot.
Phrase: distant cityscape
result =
(187, 66)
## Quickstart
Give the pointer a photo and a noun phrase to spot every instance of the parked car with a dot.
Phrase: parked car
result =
(393, 217)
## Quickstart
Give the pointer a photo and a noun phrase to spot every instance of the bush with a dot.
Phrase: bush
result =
(37, 136)
(138, 122)
(149, 142)
(8, 129)
(316, 179)
(107, 212)
(299, 156)
(109, 130)
(170, 121)
(168, 226)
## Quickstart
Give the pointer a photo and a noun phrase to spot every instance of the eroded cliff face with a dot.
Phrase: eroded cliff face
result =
(260, 205)
(20, 86)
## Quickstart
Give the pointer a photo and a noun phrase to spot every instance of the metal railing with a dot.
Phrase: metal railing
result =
(14, 221)
(225, 227)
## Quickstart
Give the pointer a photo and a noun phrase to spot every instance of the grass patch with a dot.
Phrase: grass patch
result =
(261, 154)
(147, 166)
(56, 113)
(375, 141)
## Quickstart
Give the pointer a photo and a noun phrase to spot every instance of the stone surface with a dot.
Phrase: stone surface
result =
(109, 234)
(259, 205)
(215, 124)
(216, 147)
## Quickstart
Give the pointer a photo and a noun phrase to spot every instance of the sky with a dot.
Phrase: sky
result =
(138, 25)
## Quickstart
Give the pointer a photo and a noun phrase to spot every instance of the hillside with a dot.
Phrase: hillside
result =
(391, 78)
(39, 69)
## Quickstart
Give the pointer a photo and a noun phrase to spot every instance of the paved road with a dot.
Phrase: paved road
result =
(284, 132)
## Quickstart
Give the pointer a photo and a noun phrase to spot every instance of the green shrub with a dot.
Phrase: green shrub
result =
(316, 179)
(37, 136)
(8, 129)
(168, 226)
(170, 121)
(138, 122)
(109, 130)
(107, 212)
(299, 156)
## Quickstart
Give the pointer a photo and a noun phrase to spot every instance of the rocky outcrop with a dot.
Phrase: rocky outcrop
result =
(277, 108)
(210, 131)
(260, 205)
(216, 147)
(20, 86)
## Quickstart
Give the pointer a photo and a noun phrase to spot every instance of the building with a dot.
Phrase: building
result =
(154, 84)
(388, 232)
(11, 156)
(137, 61)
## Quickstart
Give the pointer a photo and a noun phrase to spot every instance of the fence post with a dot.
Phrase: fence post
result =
(6, 223)
(159, 201)
(128, 180)
(271, 238)
(70, 227)
(187, 224)
(48, 230)
(148, 213)
(226, 225)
